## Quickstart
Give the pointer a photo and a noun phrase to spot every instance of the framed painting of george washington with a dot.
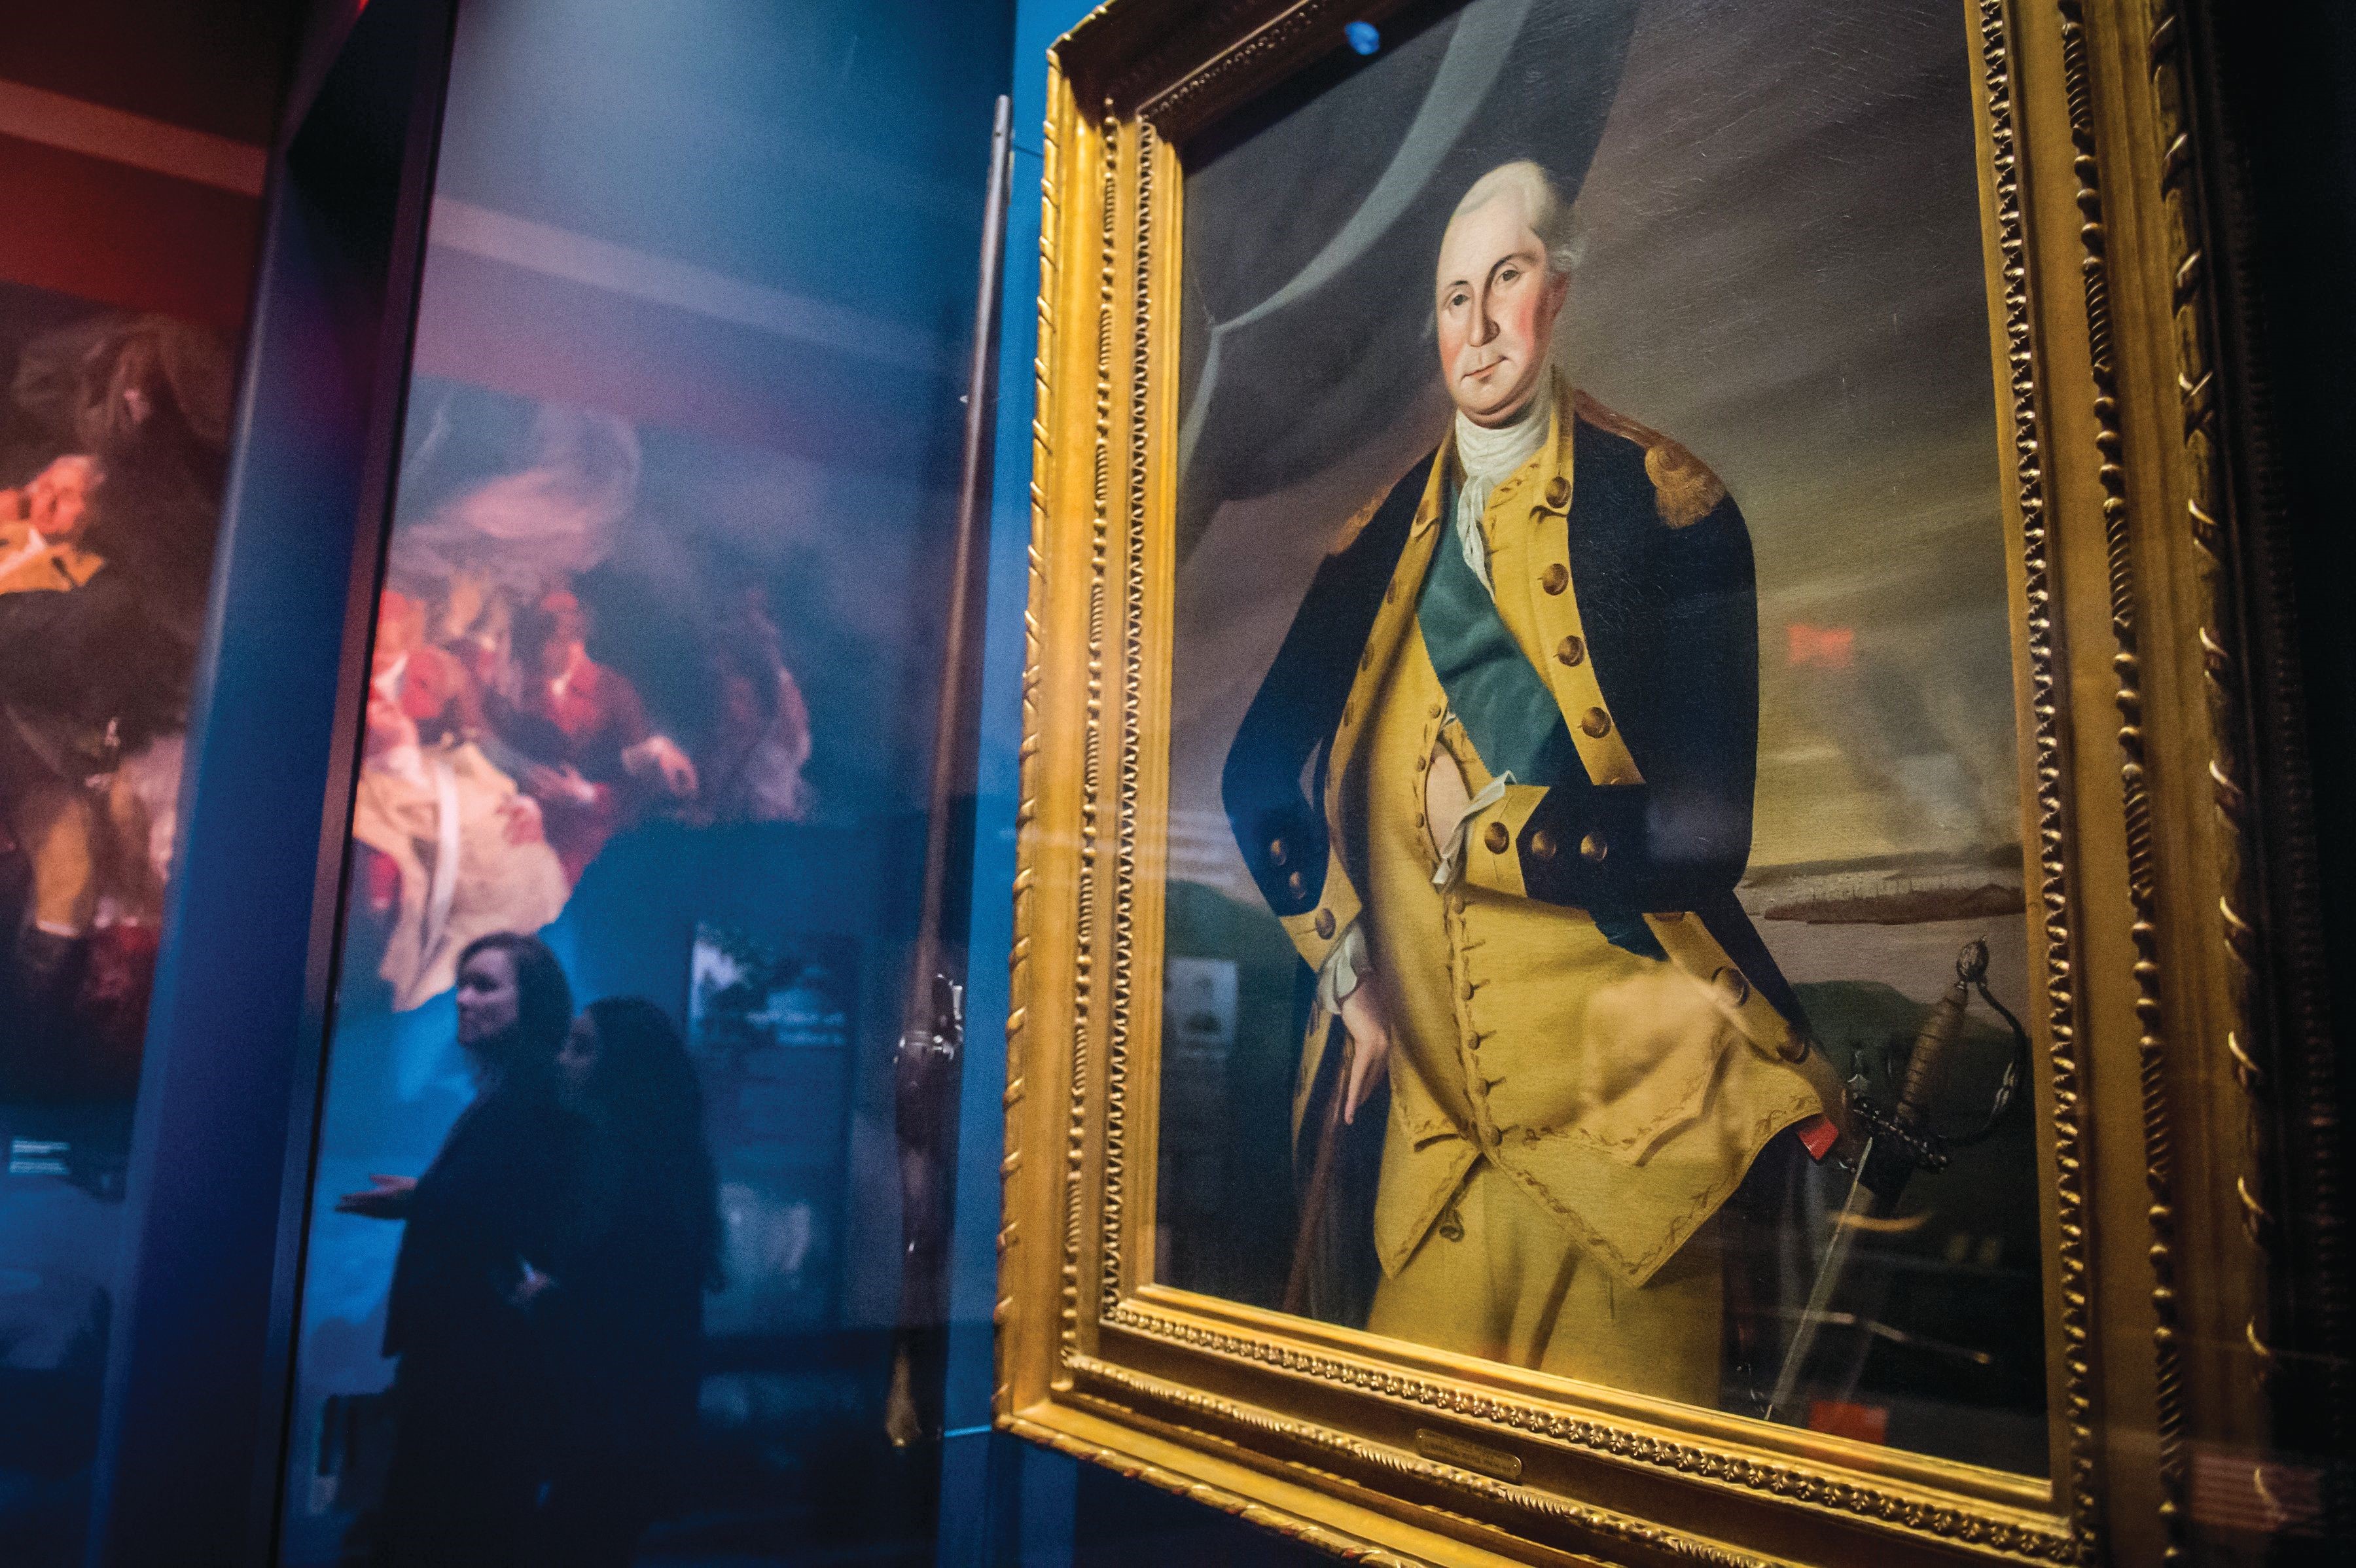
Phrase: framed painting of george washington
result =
(1642, 929)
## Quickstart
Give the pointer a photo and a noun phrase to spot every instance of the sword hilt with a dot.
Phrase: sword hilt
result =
(1941, 1028)
(1940, 1031)
(1906, 1142)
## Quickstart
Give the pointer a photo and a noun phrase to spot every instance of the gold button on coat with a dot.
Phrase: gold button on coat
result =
(1731, 986)
(1324, 922)
(1295, 886)
(1276, 852)
(1596, 723)
(1594, 848)
(1555, 578)
(1570, 650)
(1541, 845)
(1557, 491)
(1496, 838)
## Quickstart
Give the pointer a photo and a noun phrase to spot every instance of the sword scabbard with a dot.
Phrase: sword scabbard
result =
(1900, 1142)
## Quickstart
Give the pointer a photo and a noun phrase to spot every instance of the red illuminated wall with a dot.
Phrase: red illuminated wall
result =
(131, 148)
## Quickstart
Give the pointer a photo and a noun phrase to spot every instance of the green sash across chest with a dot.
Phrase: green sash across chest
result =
(1510, 716)
(1507, 713)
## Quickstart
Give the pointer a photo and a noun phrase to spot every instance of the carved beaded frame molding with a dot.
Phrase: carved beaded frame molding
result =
(1382, 1452)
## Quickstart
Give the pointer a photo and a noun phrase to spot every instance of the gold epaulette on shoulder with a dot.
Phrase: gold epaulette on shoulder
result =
(1684, 489)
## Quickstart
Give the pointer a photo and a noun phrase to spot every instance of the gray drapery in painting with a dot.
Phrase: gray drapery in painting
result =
(1312, 220)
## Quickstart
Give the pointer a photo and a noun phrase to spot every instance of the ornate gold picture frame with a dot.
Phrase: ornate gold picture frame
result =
(2156, 867)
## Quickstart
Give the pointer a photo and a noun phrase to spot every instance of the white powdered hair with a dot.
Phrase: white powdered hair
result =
(1543, 209)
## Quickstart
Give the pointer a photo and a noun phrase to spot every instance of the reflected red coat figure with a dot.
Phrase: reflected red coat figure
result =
(573, 727)
(583, 747)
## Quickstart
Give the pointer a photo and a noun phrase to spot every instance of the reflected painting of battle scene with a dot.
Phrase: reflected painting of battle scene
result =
(1596, 937)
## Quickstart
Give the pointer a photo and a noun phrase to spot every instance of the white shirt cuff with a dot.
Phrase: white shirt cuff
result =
(1344, 967)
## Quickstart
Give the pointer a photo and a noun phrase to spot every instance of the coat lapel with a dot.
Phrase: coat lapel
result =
(1392, 619)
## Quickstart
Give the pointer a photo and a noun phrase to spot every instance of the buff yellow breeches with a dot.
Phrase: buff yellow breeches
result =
(1500, 1278)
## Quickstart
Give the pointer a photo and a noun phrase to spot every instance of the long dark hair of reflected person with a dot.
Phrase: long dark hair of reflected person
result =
(526, 1059)
(643, 1093)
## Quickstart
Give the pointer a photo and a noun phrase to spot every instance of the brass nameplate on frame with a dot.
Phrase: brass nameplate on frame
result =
(1584, 895)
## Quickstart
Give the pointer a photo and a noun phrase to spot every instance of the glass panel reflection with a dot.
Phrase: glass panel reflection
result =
(652, 685)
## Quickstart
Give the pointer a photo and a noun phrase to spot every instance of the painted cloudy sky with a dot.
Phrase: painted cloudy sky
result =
(1783, 271)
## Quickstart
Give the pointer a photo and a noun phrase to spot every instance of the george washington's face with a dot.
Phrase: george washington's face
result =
(1495, 309)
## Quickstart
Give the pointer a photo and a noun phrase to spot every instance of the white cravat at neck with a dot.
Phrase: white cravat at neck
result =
(1489, 456)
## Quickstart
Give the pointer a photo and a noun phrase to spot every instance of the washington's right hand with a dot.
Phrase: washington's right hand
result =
(1366, 1016)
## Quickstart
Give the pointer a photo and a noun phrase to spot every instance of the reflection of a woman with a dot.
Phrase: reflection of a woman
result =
(469, 1401)
(624, 1301)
